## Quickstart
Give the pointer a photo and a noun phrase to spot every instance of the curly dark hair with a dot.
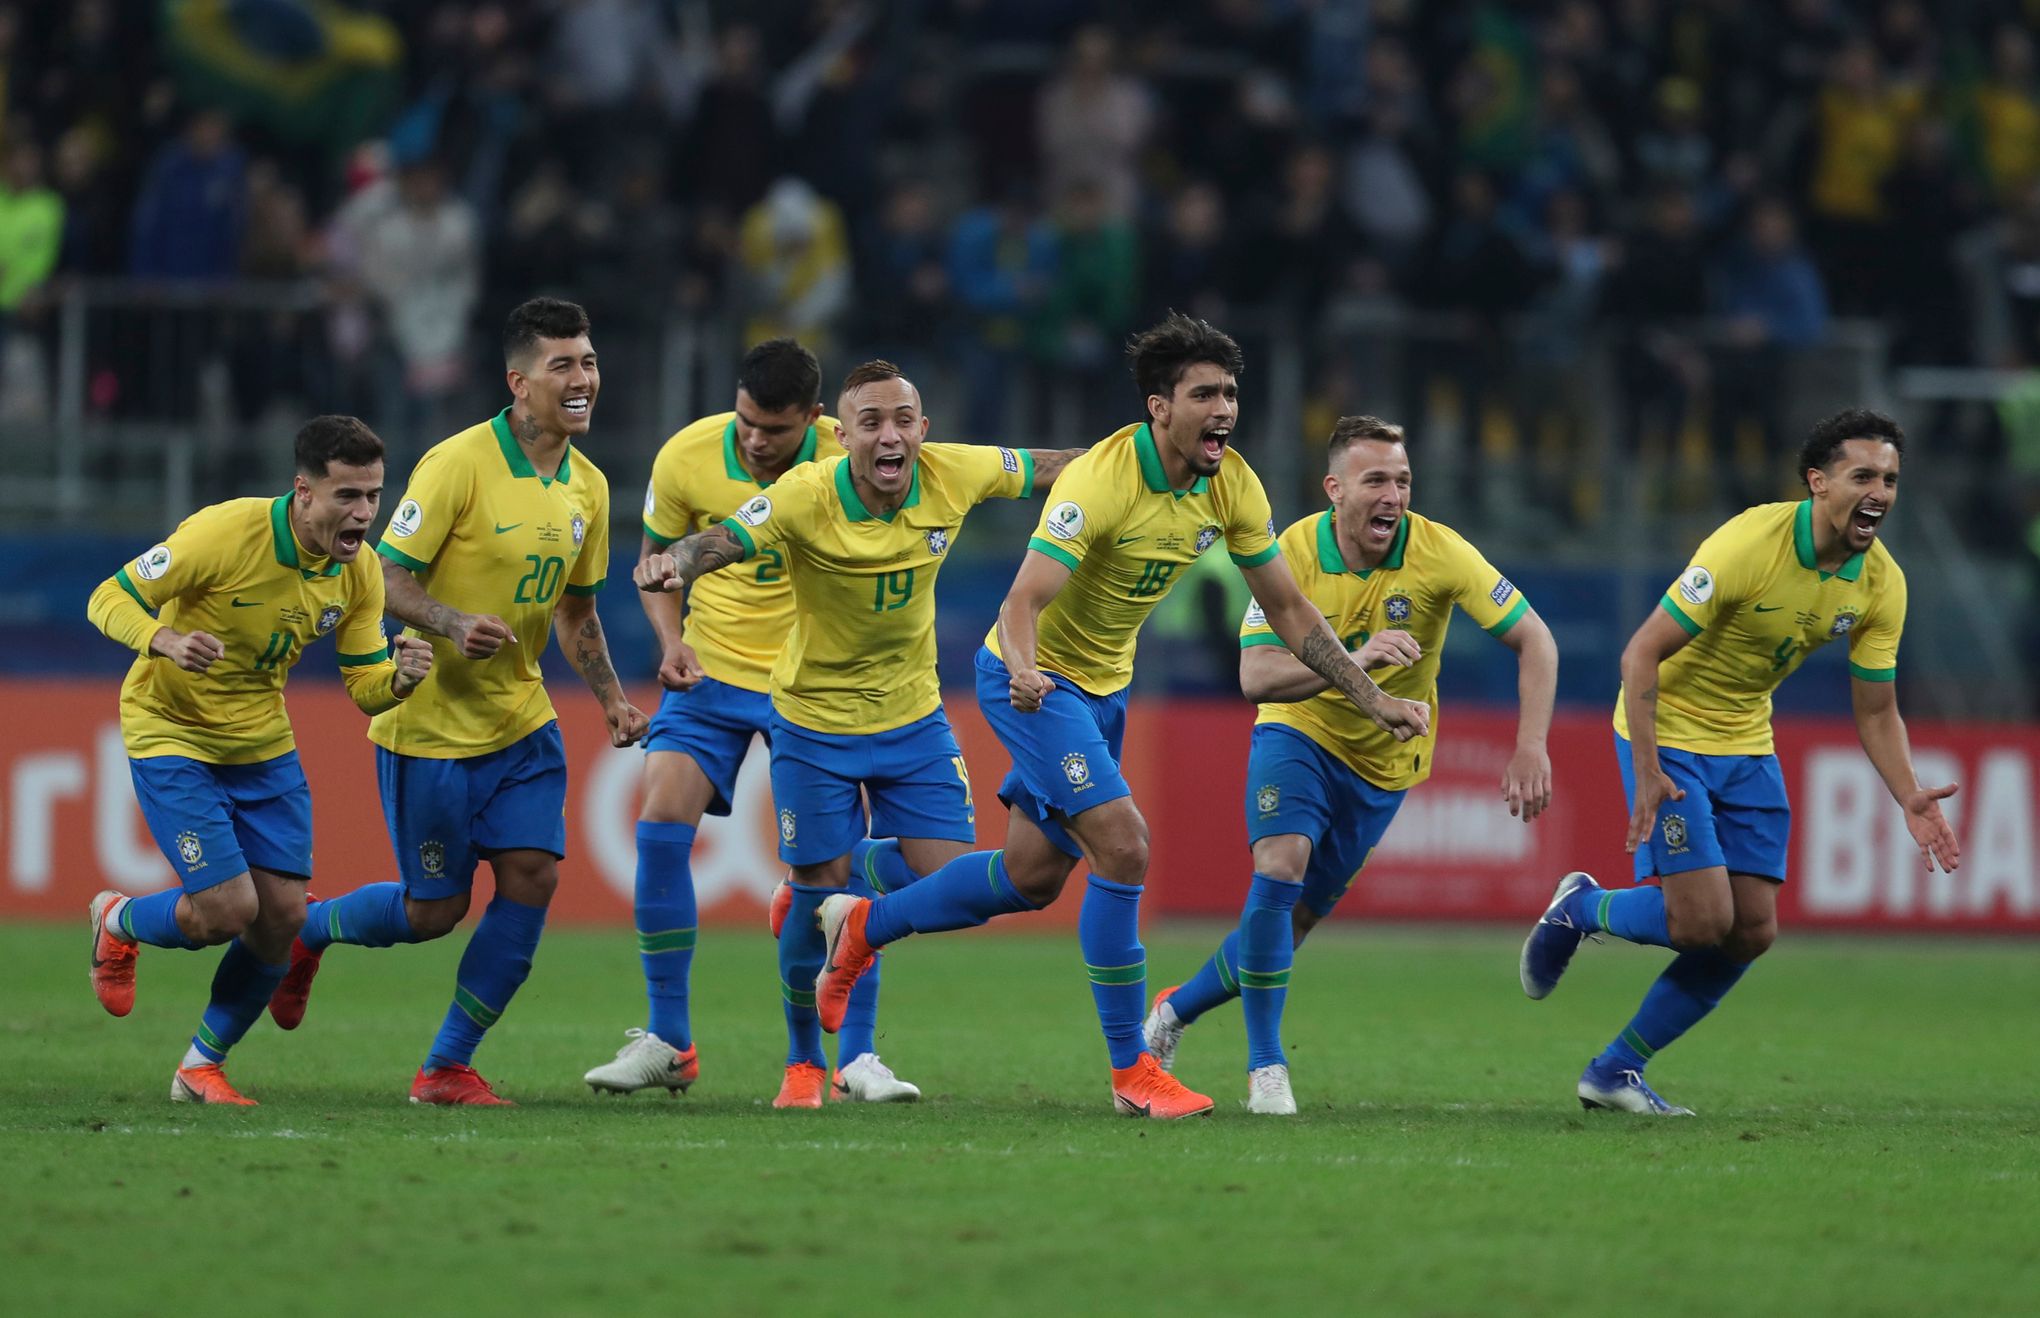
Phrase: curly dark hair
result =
(1161, 354)
(1824, 442)
(541, 318)
(325, 440)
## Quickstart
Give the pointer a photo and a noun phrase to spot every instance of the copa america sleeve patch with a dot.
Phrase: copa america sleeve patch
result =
(755, 512)
(1065, 521)
(651, 500)
(154, 563)
(1256, 615)
(1503, 589)
(1696, 585)
(1009, 459)
(405, 524)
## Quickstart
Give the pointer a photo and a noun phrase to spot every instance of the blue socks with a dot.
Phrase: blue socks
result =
(370, 916)
(875, 863)
(1636, 914)
(665, 920)
(1688, 989)
(1215, 983)
(1108, 931)
(859, 1033)
(492, 968)
(1267, 950)
(153, 920)
(240, 990)
(801, 948)
(961, 895)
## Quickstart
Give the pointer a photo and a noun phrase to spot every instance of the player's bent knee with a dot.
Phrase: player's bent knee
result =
(529, 878)
(1747, 942)
(1701, 928)
(222, 914)
(435, 919)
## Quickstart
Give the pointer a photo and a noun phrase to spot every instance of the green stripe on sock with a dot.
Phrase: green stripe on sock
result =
(992, 869)
(1601, 909)
(1225, 974)
(665, 940)
(1132, 974)
(798, 997)
(1635, 1040)
(333, 922)
(481, 1013)
(871, 874)
(207, 1039)
(122, 920)
(1264, 979)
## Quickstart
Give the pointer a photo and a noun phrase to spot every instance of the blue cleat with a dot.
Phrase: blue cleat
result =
(1555, 937)
(1622, 1090)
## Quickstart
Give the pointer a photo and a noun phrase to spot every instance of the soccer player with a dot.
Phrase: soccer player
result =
(503, 534)
(1323, 783)
(856, 703)
(220, 613)
(1052, 677)
(1708, 814)
(716, 667)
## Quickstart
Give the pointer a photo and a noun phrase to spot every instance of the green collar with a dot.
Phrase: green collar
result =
(733, 467)
(846, 490)
(514, 455)
(1151, 466)
(287, 545)
(1334, 562)
(1802, 542)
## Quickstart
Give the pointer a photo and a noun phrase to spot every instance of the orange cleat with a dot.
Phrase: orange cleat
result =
(206, 1084)
(802, 1086)
(113, 960)
(287, 1004)
(782, 902)
(846, 957)
(455, 1086)
(1146, 1090)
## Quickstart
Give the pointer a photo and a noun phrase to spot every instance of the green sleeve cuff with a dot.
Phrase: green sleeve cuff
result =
(1669, 605)
(592, 588)
(358, 660)
(1512, 617)
(1873, 674)
(743, 535)
(660, 540)
(127, 583)
(1261, 638)
(1026, 473)
(399, 557)
(1255, 560)
(1054, 551)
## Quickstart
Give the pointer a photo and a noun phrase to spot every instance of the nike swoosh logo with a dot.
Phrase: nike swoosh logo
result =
(240, 603)
(1767, 608)
(512, 527)
(1125, 540)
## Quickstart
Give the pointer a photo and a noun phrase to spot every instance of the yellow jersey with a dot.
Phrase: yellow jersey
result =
(1429, 569)
(1756, 605)
(236, 571)
(487, 534)
(861, 656)
(1124, 534)
(737, 622)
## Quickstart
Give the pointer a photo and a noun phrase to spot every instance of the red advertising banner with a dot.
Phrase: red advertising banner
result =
(69, 826)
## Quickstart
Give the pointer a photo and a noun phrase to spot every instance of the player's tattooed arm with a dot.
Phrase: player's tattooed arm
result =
(479, 635)
(694, 556)
(1309, 637)
(1049, 464)
(579, 629)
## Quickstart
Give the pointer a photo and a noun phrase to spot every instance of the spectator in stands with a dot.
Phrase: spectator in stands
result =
(2008, 114)
(1386, 190)
(31, 232)
(1859, 123)
(1771, 302)
(1932, 205)
(905, 272)
(1001, 261)
(793, 267)
(1654, 300)
(1300, 247)
(1094, 119)
(1675, 149)
(730, 146)
(1190, 262)
(1084, 321)
(193, 206)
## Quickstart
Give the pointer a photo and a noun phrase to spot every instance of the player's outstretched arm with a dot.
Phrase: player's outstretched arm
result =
(688, 558)
(1039, 579)
(1049, 464)
(1884, 739)
(1526, 781)
(579, 629)
(1657, 640)
(1270, 675)
(1309, 637)
(679, 667)
(479, 635)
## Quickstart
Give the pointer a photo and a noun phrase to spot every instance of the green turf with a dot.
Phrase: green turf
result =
(1869, 1143)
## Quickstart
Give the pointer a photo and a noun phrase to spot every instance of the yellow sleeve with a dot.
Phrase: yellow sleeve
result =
(1488, 597)
(772, 516)
(433, 501)
(1249, 522)
(1873, 644)
(591, 565)
(1254, 628)
(1084, 513)
(989, 472)
(1713, 583)
(1012, 477)
(667, 512)
(363, 649)
(125, 604)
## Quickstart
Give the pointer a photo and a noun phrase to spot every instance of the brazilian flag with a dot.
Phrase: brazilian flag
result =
(313, 72)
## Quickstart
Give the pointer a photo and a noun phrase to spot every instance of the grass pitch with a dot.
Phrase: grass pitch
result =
(1869, 1143)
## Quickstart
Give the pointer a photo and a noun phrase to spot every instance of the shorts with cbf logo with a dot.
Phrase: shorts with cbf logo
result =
(712, 723)
(1735, 813)
(914, 777)
(445, 815)
(1065, 754)
(1296, 786)
(213, 821)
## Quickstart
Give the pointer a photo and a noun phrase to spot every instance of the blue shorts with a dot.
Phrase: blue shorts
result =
(914, 776)
(1295, 785)
(712, 723)
(213, 821)
(1065, 754)
(444, 815)
(1735, 814)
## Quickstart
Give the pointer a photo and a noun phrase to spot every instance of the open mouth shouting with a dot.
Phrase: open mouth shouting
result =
(1863, 523)
(889, 469)
(1212, 447)
(347, 543)
(1380, 527)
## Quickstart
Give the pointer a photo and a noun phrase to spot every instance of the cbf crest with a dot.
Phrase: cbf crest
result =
(1397, 608)
(1076, 768)
(1207, 536)
(329, 618)
(579, 526)
(1267, 799)
(432, 857)
(786, 826)
(938, 540)
(1675, 832)
(1844, 620)
(190, 850)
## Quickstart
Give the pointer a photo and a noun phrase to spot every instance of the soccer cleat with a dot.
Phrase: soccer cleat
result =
(205, 1084)
(113, 962)
(455, 1086)
(802, 1086)
(868, 1080)
(1146, 1090)
(646, 1062)
(1162, 1031)
(1554, 938)
(287, 1004)
(845, 956)
(781, 903)
(1623, 1091)
(1268, 1092)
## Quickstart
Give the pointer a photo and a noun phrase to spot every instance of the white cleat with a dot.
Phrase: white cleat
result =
(1625, 1091)
(868, 1080)
(1268, 1092)
(1162, 1031)
(645, 1062)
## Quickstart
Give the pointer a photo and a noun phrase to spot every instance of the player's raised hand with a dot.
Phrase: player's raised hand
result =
(627, 723)
(679, 668)
(1030, 687)
(1526, 782)
(414, 660)
(1390, 647)
(1929, 827)
(656, 573)
(481, 635)
(1654, 787)
(1401, 719)
(194, 652)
